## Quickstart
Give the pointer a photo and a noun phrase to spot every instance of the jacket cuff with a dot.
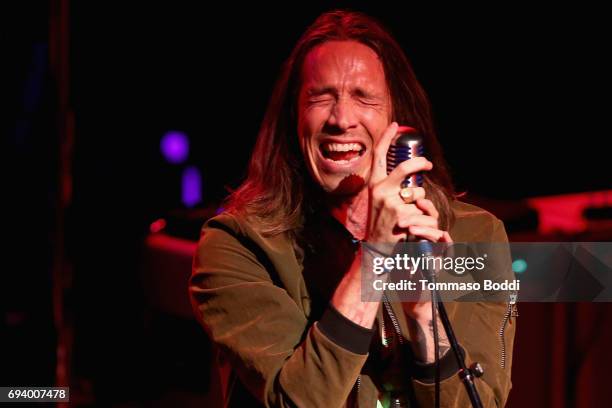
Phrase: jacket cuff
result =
(426, 373)
(344, 332)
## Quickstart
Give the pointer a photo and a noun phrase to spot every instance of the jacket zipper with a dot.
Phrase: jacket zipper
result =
(355, 392)
(510, 312)
(393, 319)
(384, 336)
(395, 401)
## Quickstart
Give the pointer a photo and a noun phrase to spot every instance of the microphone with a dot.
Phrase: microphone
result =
(408, 143)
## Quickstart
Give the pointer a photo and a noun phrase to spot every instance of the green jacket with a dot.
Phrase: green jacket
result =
(261, 302)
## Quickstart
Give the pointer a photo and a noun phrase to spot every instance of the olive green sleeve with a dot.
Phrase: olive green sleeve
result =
(280, 359)
(481, 340)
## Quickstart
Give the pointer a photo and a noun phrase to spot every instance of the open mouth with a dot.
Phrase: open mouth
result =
(342, 152)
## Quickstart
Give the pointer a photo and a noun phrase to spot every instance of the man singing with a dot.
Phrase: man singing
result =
(276, 280)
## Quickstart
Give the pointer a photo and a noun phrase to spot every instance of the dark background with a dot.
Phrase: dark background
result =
(519, 96)
(516, 93)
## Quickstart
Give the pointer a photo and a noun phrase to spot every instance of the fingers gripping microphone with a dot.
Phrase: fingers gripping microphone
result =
(407, 144)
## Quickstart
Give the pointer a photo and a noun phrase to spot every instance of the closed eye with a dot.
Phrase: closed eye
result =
(321, 95)
(366, 98)
(369, 102)
(321, 99)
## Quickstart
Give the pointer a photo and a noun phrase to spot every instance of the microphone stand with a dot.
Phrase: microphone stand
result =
(408, 144)
(465, 374)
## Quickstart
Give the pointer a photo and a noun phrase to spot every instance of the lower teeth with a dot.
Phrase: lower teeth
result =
(344, 161)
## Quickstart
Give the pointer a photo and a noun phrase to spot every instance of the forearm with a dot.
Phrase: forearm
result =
(422, 334)
(347, 298)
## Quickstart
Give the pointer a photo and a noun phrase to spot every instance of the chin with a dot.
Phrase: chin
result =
(347, 186)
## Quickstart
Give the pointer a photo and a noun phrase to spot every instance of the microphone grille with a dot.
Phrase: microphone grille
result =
(408, 143)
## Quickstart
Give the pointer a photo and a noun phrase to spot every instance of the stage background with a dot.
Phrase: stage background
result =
(518, 96)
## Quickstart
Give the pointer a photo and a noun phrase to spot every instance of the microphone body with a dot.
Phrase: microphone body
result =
(407, 144)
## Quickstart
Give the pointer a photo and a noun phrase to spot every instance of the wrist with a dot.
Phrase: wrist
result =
(420, 312)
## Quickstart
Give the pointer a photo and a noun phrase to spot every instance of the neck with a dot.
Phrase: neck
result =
(352, 212)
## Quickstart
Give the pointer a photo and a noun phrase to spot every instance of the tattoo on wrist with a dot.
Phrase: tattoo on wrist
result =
(443, 343)
(423, 345)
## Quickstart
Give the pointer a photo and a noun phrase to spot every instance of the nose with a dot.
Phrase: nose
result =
(342, 115)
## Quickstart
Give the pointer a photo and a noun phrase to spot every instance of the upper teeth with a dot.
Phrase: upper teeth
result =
(342, 147)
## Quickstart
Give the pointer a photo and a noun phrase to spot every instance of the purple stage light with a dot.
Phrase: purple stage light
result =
(191, 186)
(174, 146)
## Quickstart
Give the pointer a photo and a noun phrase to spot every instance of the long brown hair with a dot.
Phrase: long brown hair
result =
(278, 184)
